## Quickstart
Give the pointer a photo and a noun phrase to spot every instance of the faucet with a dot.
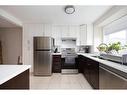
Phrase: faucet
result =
(99, 47)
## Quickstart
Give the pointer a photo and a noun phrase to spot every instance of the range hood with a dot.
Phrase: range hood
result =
(68, 39)
(68, 42)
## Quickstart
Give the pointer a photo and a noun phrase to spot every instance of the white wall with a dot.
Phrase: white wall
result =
(29, 31)
(11, 44)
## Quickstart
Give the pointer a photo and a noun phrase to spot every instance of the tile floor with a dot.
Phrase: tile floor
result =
(59, 81)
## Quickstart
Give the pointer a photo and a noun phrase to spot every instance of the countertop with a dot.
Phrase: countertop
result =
(56, 53)
(7, 72)
(116, 66)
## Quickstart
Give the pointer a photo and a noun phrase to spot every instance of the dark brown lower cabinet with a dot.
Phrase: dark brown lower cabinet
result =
(56, 66)
(81, 61)
(90, 70)
(20, 81)
(93, 73)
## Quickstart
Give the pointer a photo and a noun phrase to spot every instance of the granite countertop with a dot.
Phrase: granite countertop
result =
(114, 65)
(10, 71)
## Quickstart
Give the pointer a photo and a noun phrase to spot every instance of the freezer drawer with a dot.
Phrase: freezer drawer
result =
(42, 63)
(111, 80)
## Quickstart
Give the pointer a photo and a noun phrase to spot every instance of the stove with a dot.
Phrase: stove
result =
(68, 52)
(69, 61)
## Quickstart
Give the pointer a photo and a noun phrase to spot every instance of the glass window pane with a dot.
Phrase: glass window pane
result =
(115, 37)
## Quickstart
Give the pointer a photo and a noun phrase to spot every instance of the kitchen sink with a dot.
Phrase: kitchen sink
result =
(95, 56)
(113, 58)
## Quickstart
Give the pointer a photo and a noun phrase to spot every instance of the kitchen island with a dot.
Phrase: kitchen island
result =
(14, 76)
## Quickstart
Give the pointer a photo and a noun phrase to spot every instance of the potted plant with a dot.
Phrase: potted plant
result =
(113, 48)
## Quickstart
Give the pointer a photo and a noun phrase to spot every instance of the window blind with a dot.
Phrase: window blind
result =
(115, 26)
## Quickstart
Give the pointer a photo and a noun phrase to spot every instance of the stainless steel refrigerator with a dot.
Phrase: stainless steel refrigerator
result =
(43, 49)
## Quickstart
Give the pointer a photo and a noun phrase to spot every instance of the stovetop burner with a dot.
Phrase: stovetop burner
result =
(68, 52)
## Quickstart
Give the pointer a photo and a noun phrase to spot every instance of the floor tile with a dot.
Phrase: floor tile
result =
(59, 81)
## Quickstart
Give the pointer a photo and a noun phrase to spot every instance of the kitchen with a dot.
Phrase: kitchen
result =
(74, 45)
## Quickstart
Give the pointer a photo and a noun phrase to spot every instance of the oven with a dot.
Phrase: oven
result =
(69, 62)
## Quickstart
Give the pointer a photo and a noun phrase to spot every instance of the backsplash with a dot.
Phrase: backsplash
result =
(71, 43)
(85, 49)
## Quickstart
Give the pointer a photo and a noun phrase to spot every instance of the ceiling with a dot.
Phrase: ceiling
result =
(55, 14)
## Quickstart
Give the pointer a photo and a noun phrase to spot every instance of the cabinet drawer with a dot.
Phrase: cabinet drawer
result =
(56, 69)
(56, 66)
(56, 58)
(56, 63)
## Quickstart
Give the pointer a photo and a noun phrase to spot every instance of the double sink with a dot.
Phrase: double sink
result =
(96, 56)
(113, 58)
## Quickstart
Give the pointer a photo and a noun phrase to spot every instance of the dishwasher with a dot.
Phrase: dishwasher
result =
(111, 80)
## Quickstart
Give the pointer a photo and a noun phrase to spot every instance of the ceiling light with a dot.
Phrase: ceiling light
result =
(69, 9)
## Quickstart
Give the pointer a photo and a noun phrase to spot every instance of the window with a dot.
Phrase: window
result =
(120, 36)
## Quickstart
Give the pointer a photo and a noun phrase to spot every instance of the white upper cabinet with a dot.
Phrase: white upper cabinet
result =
(56, 34)
(86, 34)
(64, 30)
(83, 34)
(40, 29)
(70, 31)
(34, 29)
(73, 31)
(89, 34)
(47, 30)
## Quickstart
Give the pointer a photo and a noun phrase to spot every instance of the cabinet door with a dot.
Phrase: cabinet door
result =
(94, 74)
(35, 29)
(89, 34)
(56, 34)
(83, 35)
(64, 30)
(78, 36)
(73, 31)
(81, 64)
(87, 68)
(91, 72)
(47, 30)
